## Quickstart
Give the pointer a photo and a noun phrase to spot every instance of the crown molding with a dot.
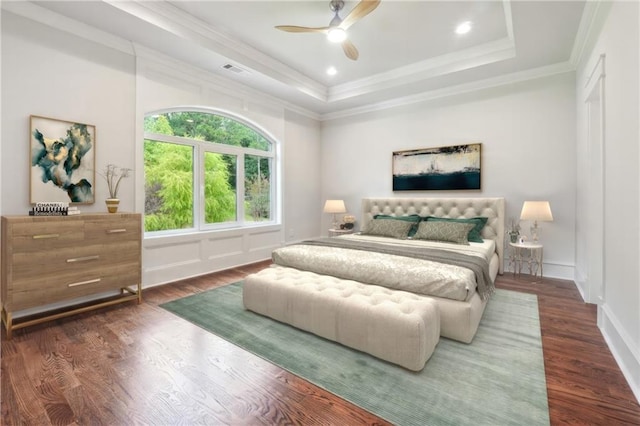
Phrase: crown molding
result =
(175, 21)
(153, 64)
(62, 23)
(518, 77)
(441, 65)
(593, 17)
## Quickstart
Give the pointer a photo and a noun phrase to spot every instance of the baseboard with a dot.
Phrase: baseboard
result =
(551, 270)
(581, 283)
(559, 270)
(622, 348)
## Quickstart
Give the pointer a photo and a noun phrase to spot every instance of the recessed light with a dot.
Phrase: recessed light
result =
(463, 28)
(332, 71)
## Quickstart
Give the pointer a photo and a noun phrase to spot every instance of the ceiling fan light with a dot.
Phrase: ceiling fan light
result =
(463, 28)
(337, 35)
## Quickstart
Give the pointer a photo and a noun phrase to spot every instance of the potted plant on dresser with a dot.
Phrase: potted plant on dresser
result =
(114, 175)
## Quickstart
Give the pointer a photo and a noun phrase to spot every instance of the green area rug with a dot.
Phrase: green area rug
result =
(498, 379)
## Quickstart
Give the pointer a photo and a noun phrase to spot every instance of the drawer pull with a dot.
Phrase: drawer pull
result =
(83, 259)
(97, 280)
(116, 231)
(45, 236)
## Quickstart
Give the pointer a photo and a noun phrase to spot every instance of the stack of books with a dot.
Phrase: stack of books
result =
(53, 208)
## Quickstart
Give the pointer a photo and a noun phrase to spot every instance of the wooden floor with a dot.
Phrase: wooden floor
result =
(139, 364)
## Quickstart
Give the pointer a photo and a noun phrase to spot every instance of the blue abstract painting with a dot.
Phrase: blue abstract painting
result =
(443, 168)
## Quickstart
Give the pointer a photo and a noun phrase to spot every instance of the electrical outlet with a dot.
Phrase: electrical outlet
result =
(292, 233)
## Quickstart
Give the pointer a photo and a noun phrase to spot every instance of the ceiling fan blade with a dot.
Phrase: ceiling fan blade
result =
(350, 50)
(363, 8)
(296, 29)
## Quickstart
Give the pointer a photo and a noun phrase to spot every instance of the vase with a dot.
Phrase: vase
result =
(112, 204)
(514, 238)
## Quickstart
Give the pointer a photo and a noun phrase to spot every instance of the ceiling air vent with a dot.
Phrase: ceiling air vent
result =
(234, 69)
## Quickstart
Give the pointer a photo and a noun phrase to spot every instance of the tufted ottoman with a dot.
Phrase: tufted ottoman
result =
(397, 326)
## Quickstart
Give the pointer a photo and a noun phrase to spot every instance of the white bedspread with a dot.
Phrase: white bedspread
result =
(398, 272)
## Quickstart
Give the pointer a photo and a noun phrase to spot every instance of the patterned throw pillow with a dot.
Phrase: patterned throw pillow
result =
(450, 232)
(475, 235)
(388, 228)
(413, 218)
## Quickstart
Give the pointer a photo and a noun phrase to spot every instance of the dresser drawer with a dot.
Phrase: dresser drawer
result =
(107, 231)
(30, 236)
(43, 290)
(28, 265)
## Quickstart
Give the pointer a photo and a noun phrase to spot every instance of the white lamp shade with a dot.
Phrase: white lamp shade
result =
(334, 206)
(536, 210)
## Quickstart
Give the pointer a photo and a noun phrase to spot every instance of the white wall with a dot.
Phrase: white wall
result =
(302, 184)
(53, 73)
(527, 131)
(619, 311)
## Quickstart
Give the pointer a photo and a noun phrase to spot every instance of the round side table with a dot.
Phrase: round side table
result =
(529, 254)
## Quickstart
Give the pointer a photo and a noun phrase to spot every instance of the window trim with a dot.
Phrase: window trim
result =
(200, 147)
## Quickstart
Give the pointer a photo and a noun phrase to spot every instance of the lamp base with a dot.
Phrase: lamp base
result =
(534, 231)
(335, 224)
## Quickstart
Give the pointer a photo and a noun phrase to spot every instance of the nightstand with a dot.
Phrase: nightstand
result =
(334, 232)
(526, 254)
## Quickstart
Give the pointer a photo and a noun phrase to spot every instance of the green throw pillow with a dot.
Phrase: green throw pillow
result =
(388, 228)
(449, 232)
(475, 235)
(413, 218)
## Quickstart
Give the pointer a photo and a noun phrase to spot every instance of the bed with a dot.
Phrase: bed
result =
(459, 277)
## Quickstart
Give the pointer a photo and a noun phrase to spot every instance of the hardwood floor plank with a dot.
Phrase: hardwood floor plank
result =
(139, 364)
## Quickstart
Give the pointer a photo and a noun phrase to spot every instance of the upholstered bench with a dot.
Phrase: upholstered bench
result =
(397, 326)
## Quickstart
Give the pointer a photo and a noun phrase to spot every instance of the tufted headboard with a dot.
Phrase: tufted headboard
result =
(493, 208)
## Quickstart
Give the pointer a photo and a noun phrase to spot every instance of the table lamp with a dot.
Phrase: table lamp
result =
(335, 207)
(536, 211)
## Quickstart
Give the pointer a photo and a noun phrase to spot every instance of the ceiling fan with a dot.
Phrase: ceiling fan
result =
(336, 31)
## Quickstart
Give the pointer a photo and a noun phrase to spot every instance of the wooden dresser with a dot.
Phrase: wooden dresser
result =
(62, 259)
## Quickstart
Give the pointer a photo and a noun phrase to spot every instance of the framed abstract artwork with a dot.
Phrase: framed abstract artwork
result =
(442, 168)
(62, 155)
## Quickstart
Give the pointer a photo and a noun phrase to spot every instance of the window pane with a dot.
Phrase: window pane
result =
(206, 127)
(257, 186)
(220, 187)
(168, 172)
(157, 124)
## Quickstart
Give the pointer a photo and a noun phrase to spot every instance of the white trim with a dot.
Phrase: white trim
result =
(621, 346)
(498, 50)
(1, 121)
(176, 21)
(593, 16)
(151, 64)
(581, 281)
(517, 77)
(55, 20)
(595, 288)
(598, 72)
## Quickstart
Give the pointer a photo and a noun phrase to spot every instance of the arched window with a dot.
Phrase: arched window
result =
(206, 170)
